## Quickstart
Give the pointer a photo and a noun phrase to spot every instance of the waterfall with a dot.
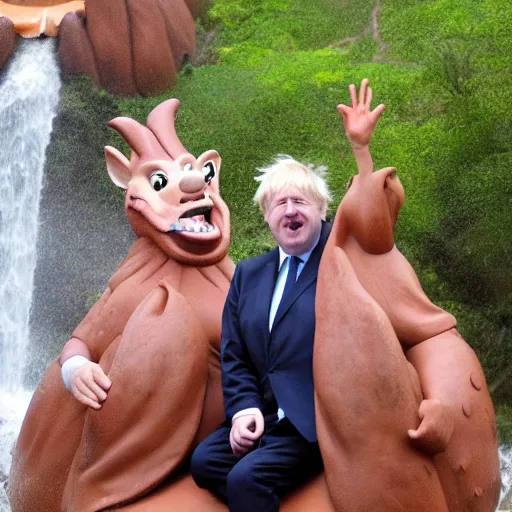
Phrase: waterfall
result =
(506, 475)
(29, 95)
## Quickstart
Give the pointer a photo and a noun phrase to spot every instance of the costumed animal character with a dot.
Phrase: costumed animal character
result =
(128, 47)
(370, 310)
(150, 345)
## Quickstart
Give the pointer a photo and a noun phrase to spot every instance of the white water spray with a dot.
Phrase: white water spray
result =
(506, 476)
(29, 95)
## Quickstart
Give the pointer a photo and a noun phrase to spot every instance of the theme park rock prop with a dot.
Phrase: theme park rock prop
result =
(155, 333)
(7, 39)
(33, 18)
(128, 47)
(394, 436)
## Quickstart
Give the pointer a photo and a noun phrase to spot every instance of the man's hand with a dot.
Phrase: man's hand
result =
(359, 120)
(245, 431)
(89, 385)
(436, 427)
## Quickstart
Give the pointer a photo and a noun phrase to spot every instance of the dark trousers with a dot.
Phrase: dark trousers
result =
(282, 460)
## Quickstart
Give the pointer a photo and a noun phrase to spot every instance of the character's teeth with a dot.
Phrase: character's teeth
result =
(197, 228)
(177, 227)
(210, 228)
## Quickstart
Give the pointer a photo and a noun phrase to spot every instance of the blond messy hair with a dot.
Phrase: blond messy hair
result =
(287, 172)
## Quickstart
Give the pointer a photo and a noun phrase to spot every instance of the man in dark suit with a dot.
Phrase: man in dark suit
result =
(268, 444)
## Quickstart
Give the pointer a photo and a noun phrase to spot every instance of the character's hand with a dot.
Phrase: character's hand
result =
(245, 431)
(436, 427)
(359, 120)
(89, 385)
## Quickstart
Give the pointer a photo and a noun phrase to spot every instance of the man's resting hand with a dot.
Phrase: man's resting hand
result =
(245, 431)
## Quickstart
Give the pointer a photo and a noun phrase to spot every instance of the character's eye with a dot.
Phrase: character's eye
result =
(158, 180)
(187, 167)
(209, 171)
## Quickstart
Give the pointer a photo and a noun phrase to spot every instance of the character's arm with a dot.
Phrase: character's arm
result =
(371, 206)
(242, 399)
(359, 122)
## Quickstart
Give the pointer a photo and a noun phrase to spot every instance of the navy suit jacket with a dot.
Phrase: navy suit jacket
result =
(263, 369)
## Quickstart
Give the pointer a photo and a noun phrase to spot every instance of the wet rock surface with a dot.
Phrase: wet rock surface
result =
(7, 39)
(129, 47)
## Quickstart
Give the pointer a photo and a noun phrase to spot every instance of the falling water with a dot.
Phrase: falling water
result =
(506, 476)
(29, 94)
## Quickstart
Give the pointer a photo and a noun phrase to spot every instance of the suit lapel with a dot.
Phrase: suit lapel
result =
(306, 278)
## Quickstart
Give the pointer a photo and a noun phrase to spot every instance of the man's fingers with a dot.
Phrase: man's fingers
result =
(242, 437)
(255, 427)
(259, 424)
(100, 378)
(353, 95)
(237, 449)
(243, 442)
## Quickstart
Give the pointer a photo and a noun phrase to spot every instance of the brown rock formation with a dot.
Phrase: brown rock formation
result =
(36, 3)
(34, 18)
(127, 46)
(7, 40)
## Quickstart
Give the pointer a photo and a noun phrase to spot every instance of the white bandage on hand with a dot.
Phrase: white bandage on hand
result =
(70, 366)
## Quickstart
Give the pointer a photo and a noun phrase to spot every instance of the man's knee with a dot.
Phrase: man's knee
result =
(241, 478)
(198, 465)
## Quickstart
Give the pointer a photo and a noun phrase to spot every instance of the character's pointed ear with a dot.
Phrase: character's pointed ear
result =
(210, 162)
(118, 167)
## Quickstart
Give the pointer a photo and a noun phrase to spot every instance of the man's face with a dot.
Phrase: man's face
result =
(295, 220)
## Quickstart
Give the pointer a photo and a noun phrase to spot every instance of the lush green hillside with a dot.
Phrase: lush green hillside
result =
(268, 79)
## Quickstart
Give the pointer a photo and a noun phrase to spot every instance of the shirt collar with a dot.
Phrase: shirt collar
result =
(304, 256)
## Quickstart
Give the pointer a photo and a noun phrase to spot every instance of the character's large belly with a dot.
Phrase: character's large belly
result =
(367, 397)
(94, 459)
(469, 468)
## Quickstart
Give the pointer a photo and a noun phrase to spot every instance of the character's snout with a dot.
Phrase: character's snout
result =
(192, 181)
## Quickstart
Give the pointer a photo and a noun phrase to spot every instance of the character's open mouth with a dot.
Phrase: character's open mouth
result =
(195, 220)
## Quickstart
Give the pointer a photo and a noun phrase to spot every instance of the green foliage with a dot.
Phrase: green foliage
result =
(80, 134)
(504, 423)
(287, 25)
